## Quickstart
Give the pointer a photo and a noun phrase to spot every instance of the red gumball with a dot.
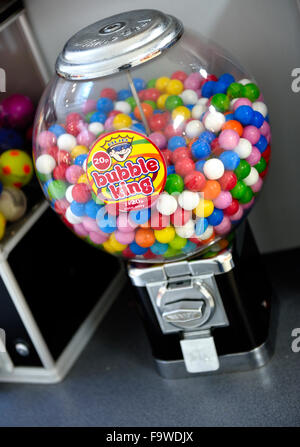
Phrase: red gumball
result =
(180, 153)
(108, 93)
(267, 154)
(180, 75)
(211, 77)
(158, 121)
(73, 117)
(167, 154)
(127, 253)
(53, 151)
(264, 173)
(232, 208)
(171, 131)
(228, 181)
(151, 94)
(64, 157)
(149, 255)
(61, 206)
(141, 95)
(113, 113)
(73, 127)
(216, 149)
(59, 172)
(184, 166)
(195, 181)
(81, 193)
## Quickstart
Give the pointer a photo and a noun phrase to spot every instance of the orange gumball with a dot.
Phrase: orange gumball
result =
(212, 189)
(144, 237)
(147, 109)
(234, 125)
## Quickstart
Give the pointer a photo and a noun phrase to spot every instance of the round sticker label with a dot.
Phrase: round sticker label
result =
(126, 169)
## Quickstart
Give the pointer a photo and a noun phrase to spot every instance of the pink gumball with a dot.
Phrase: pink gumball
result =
(238, 215)
(90, 224)
(109, 123)
(89, 106)
(73, 173)
(265, 129)
(223, 200)
(257, 186)
(124, 238)
(252, 134)
(158, 139)
(46, 139)
(85, 138)
(224, 227)
(242, 102)
(248, 205)
(80, 230)
(97, 237)
(124, 224)
(229, 139)
(254, 157)
(193, 81)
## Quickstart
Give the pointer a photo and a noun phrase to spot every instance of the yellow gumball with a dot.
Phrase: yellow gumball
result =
(108, 247)
(121, 120)
(161, 101)
(161, 83)
(78, 150)
(204, 208)
(83, 179)
(2, 225)
(165, 235)
(182, 112)
(174, 87)
(115, 244)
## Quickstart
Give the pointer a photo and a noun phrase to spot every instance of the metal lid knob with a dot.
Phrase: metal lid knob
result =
(117, 43)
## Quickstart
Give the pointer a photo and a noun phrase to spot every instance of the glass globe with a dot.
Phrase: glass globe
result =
(150, 143)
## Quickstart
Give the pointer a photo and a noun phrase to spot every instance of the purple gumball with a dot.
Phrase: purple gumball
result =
(17, 111)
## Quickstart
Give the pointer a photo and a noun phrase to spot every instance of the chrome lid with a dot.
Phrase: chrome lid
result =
(117, 43)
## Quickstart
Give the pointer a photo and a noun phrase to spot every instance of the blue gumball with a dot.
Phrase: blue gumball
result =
(216, 217)
(137, 249)
(230, 160)
(201, 149)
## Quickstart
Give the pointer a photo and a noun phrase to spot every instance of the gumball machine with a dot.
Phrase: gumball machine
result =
(152, 144)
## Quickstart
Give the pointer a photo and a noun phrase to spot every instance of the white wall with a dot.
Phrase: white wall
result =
(264, 35)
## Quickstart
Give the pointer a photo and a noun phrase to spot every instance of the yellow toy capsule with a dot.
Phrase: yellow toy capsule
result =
(174, 87)
(161, 83)
(78, 150)
(2, 225)
(161, 101)
(181, 111)
(121, 120)
(165, 235)
(204, 208)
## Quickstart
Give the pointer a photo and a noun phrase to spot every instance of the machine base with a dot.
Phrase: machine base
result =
(242, 361)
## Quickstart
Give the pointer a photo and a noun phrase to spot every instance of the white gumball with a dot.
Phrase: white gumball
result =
(166, 204)
(202, 101)
(188, 200)
(244, 148)
(198, 110)
(245, 81)
(260, 107)
(96, 128)
(194, 128)
(123, 107)
(72, 218)
(214, 121)
(213, 169)
(232, 102)
(187, 230)
(68, 194)
(45, 164)
(252, 178)
(189, 97)
(207, 233)
(66, 142)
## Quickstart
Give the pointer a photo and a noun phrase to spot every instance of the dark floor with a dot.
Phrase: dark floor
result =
(114, 383)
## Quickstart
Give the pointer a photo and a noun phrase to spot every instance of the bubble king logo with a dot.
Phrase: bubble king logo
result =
(2, 341)
(296, 343)
(296, 82)
(2, 80)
